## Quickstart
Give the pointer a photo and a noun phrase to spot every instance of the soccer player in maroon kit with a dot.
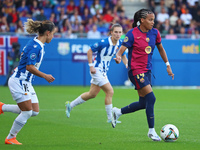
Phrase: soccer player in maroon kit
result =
(141, 41)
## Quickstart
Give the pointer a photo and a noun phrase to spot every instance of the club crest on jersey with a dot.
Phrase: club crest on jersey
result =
(33, 56)
(148, 49)
(96, 45)
(126, 39)
(147, 39)
(142, 80)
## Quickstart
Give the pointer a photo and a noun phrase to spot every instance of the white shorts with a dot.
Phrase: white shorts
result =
(22, 90)
(98, 78)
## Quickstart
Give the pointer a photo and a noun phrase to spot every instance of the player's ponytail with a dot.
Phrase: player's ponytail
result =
(38, 26)
(142, 13)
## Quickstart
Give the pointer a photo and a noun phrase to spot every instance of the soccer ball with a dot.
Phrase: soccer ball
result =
(169, 133)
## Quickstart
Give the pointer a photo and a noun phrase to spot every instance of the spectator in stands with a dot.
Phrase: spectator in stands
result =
(191, 3)
(106, 8)
(196, 34)
(96, 6)
(192, 27)
(119, 7)
(179, 25)
(81, 32)
(81, 8)
(4, 25)
(94, 33)
(20, 28)
(194, 10)
(35, 10)
(71, 8)
(158, 8)
(57, 8)
(89, 25)
(182, 33)
(53, 18)
(23, 9)
(173, 19)
(161, 17)
(13, 16)
(197, 18)
(166, 26)
(171, 34)
(97, 17)
(65, 26)
(108, 18)
(8, 5)
(85, 17)
(168, 3)
(41, 16)
(75, 17)
(75, 26)
(183, 8)
(62, 16)
(186, 18)
(172, 9)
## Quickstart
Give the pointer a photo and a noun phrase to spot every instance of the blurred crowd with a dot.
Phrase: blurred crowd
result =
(177, 18)
(93, 18)
(73, 18)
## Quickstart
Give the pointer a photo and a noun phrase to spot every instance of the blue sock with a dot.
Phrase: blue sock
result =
(150, 99)
(141, 104)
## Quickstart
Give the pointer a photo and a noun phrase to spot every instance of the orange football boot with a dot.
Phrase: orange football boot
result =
(1, 111)
(12, 141)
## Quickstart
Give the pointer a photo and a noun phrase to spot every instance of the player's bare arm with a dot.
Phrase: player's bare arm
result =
(33, 70)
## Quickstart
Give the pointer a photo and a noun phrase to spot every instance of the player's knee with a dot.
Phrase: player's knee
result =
(110, 93)
(93, 95)
(34, 113)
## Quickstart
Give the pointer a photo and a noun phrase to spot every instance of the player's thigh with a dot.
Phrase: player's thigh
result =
(94, 89)
(35, 107)
(145, 90)
(107, 88)
(25, 105)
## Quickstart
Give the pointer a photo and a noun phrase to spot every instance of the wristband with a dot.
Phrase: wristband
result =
(126, 65)
(167, 64)
(90, 64)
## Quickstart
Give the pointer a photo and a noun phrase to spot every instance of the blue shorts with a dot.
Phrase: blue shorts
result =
(140, 80)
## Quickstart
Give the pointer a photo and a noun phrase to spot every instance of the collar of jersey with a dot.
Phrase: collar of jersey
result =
(38, 41)
(110, 41)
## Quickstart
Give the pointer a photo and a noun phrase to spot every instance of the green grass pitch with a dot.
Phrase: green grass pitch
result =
(87, 128)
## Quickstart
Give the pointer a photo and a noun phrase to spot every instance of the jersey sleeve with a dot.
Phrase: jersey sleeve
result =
(97, 46)
(128, 40)
(32, 56)
(158, 38)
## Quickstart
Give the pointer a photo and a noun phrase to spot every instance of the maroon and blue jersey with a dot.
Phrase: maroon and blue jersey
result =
(140, 49)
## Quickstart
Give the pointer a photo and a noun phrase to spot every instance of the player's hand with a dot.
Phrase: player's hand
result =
(170, 73)
(92, 70)
(49, 78)
(117, 59)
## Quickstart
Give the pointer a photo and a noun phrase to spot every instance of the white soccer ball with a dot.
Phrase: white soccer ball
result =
(169, 133)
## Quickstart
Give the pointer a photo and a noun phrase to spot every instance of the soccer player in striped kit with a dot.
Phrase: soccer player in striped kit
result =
(105, 50)
(141, 41)
(20, 83)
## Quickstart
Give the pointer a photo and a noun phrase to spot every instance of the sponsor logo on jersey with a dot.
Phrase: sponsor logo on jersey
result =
(34, 46)
(148, 49)
(33, 56)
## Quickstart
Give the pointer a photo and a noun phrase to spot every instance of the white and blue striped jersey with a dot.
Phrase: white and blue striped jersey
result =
(105, 51)
(32, 54)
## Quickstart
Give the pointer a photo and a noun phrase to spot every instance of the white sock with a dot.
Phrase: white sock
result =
(152, 130)
(119, 112)
(76, 102)
(19, 122)
(109, 111)
(11, 108)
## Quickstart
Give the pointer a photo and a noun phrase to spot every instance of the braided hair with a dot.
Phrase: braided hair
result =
(142, 13)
